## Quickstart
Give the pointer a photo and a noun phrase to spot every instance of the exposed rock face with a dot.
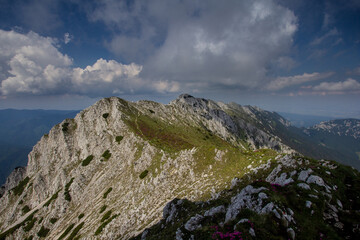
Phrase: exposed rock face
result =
(110, 171)
(340, 127)
(13, 179)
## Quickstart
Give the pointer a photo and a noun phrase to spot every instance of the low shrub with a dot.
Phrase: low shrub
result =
(30, 225)
(107, 192)
(102, 209)
(65, 127)
(106, 155)
(19, 189)
(143, 174)
(67, 230)
(25, 209)
(87, 160)
(81, 216)
(118, 139)
(43, 231)
(106, 215)
(53, 220)
(105, 115)
(75, 231)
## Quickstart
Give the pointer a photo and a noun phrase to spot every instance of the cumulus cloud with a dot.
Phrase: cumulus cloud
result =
(347, 85)
(205, 43)
(283, 82)
(32, 64)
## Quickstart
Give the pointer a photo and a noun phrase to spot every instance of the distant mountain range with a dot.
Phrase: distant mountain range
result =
(191, 169)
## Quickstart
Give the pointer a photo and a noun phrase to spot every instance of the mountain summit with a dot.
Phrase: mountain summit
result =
(192, 169)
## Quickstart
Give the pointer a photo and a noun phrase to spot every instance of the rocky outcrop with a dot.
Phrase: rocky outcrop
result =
(13, 179)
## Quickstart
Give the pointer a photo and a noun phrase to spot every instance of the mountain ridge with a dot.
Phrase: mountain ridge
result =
(115, 166)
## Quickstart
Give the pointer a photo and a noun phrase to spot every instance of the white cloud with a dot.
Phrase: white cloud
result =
(283, 82)
(196, 42)
(32, 64)
(347, 85)
(68, 38)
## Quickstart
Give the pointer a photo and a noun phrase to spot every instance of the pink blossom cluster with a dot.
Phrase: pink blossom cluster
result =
(236, 235)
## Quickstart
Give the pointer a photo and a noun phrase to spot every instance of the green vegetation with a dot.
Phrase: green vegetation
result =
(102, 209)
(18, 190)
(106, 216)
(43, 232)
(67, 190)
(30, 225)
(25, 209)
(67, 230)
(143, 174)
(29, 238)
(118, 139)
(107, 192)
(21, 202)
(65, 127)
(53, 197)
(81, 216)
(106, 155)
(105, 115)
(87, 160)
(103, 225)
(75, 231)
(17, 226)
(53, 220)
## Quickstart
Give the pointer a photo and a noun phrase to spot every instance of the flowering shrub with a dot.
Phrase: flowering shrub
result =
(235, 235)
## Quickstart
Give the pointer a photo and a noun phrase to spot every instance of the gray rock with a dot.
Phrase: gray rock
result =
(144, 234)
(304, 175)
(308, 204)
(179, 234)
(194, 223)
(14, 178)
(215, 210)
(252, 232)
(171, 209)
(291, 233)
(304, 186)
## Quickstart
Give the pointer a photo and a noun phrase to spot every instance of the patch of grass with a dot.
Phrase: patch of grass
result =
(118, 139)
(143, 174)
(105, 115)
(19, 189)
(65, 127)
(53, 197)
(43, 232)
(67, 190)
(106, 155)
(106, 216)
(53, 220)
(25, 209)
(67, 230)
(75, 231)
(87, 160)
(103, 225)
(81, 216)
(102, 209)
(30, 225)
(107, 192)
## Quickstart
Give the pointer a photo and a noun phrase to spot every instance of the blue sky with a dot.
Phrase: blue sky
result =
(282, 55)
